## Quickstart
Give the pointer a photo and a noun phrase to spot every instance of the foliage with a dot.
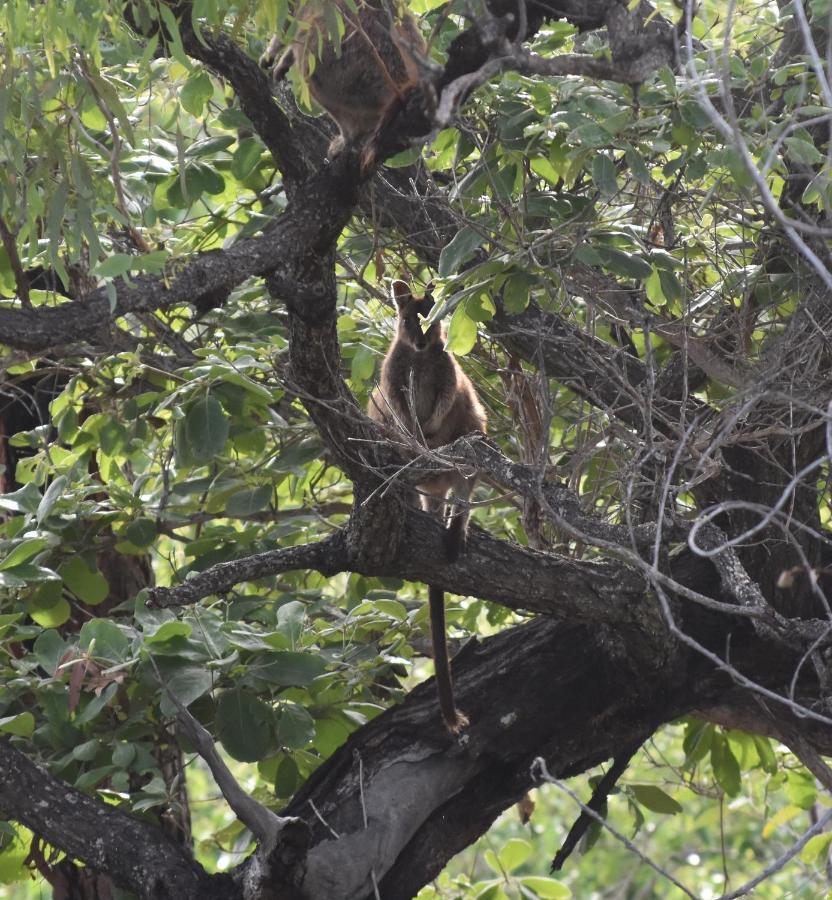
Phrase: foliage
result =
(185, 445)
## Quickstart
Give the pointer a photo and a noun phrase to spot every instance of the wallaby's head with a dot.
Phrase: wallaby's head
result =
(411, 309)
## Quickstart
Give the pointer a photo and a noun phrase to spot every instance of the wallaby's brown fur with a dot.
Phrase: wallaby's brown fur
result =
(360, 80)
(424, 392)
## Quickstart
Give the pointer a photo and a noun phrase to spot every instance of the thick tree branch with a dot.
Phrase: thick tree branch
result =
(577, 693)
(312, 222)
(504, 572)
(134, 854)
(254, 91)
(631, 34)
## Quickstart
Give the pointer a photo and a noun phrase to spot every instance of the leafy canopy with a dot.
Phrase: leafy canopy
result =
(183, 446)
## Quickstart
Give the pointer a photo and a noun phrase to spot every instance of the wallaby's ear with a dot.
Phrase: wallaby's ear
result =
(426, 301)
(401, 293)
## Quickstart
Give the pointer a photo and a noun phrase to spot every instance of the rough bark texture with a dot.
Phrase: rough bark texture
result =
(604, 664)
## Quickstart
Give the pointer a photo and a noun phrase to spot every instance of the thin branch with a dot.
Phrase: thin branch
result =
(781, 861)
(265, 825)
(539, 768)
(327, 556)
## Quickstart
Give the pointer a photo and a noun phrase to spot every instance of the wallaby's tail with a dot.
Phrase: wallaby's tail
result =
(454, 719)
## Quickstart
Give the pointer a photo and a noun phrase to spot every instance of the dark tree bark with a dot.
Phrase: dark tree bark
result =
(618, 647)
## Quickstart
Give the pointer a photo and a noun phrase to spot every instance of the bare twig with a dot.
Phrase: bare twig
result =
(260, 820)
(539, 769)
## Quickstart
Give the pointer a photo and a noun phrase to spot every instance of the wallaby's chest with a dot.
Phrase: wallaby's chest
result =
(415, 381)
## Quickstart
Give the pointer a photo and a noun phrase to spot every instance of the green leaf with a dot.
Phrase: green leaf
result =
(480, 307)
(604, 175)
(206, 429)
(288, 669)
(104, 640)
(768, 761)
(802, 151)
(653, 289)
(458, 250)
(25, 573)
(695, 114)
(23, 724)
(142, 532)
(93, 778)
(7, 620)
(184, 456)
(405, 158)
(212, 146)
(53, 617)
(49, 648)
(169, 630)
(89, 586)
(87, 751)
(247, 502)
(514, 853)
(587, 254)
(123, 755)
(543, 167)
(26, 500)
(697, 742)
(290, 617)
(23, 552)
(287, 780)
(725, 766)
(295, 727)
(517, 291)
(15, 851)
(115, 265)
(671, 287)
(51, 496)
(621, 263)
(363, 364)
(786, 814)
(655, 799)
(47, 606)
(246, 158)
(816, 847)
(801, 790)
(198, 178)
(637, 165)
(462, 332)
(187, 682)
(547, 888)
(196, 92)
(244, 725)
(330, 733)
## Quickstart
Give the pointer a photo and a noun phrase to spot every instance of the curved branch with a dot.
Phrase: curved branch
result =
(311, 223)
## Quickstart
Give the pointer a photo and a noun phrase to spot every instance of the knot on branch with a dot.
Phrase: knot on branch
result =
(279, 870)
(374, 535)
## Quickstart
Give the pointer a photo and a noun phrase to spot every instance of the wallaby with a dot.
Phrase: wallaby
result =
(424, 392)
(359, 80)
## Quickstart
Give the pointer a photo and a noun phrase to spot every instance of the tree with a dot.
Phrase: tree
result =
(206, 543)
